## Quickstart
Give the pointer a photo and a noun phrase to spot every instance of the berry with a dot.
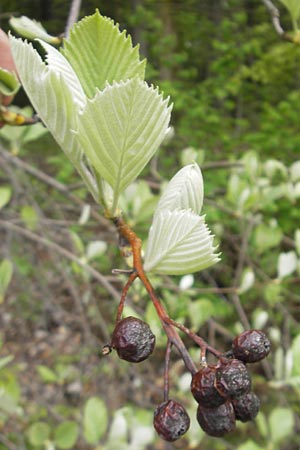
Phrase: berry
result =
(246, 407)
(171, 420)
(232, 378)
(133, 340)
(203, 388)
(251, 346)
(216, 421)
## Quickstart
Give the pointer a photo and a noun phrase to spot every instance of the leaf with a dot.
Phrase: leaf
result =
(38, 433)
(95, 420)
(179, 243)
(95, 249)
(5, 195)
(9, 84)
(184, 191)
(293, 6)
(99, 53)
(287, 264)
(295, 171)
(5, 361)
(247, 280)
(121, 129)
(6, 272)
(281, 422)
(66, 434)
(47, 375)
(266, 237)
(296, 355)
(32, 29)
(250, 445)
(29, 217)
(53, 101)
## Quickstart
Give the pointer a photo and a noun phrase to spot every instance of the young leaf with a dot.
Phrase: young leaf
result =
(5, 195)
(99, 53)
(32, 29)
(121, 129)
(184, 191)
(9, 84)
(293, 6)
(38, 433)
(179, 243)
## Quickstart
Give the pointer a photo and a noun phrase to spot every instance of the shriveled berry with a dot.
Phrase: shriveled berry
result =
(171, 420)
(251, 346)
(203, 388)
(232, 378)
(133, 340)
(246, 407)
(216, 421)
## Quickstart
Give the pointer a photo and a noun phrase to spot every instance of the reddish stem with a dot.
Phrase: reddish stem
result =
(131, 279)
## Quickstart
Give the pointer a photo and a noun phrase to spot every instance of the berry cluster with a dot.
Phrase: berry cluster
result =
(222, 391)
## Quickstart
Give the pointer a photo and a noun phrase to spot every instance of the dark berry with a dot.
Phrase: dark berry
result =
(203, 388)
(171, 420)
(216, 421)
(133, 340)
(246, 407)
(232, 378)
(251, 346)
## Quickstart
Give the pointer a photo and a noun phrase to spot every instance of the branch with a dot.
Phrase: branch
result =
(63, 252)
(275, 17)
(73, 15)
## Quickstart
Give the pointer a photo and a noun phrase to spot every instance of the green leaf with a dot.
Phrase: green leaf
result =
(100, 54)
(266, 237)
(47, 375)
(179, 243)
(32, 29)
(250, 445)
(121, 129)
(66, 435)
(95, 420)
(29, 217)
(38, 433)
(293, 6)
(9, 84)
(5, 195)
(281, 422)
(184, 191)
(5, 361)
(6, 272)
(296, 355)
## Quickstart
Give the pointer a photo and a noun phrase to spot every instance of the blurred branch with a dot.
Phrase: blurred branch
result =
(63, 252)
(73, 15)
(275, 17)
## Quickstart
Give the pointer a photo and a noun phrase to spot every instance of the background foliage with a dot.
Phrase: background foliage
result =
(235, 88)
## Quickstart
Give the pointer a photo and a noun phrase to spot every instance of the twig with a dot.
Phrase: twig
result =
(275, 17)
(62, 251)
(73, 15)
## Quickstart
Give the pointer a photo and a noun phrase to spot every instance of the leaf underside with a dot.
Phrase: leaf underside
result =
(179, 243)
(184, 191)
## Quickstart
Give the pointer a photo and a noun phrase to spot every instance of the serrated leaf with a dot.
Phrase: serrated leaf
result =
(47, 375)
(54, 103)
(66, 434)
(184, 191)
(120, 130)
(31, 29)
(94, 420)
(179, 243)
(100, 53)
(9, 84)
